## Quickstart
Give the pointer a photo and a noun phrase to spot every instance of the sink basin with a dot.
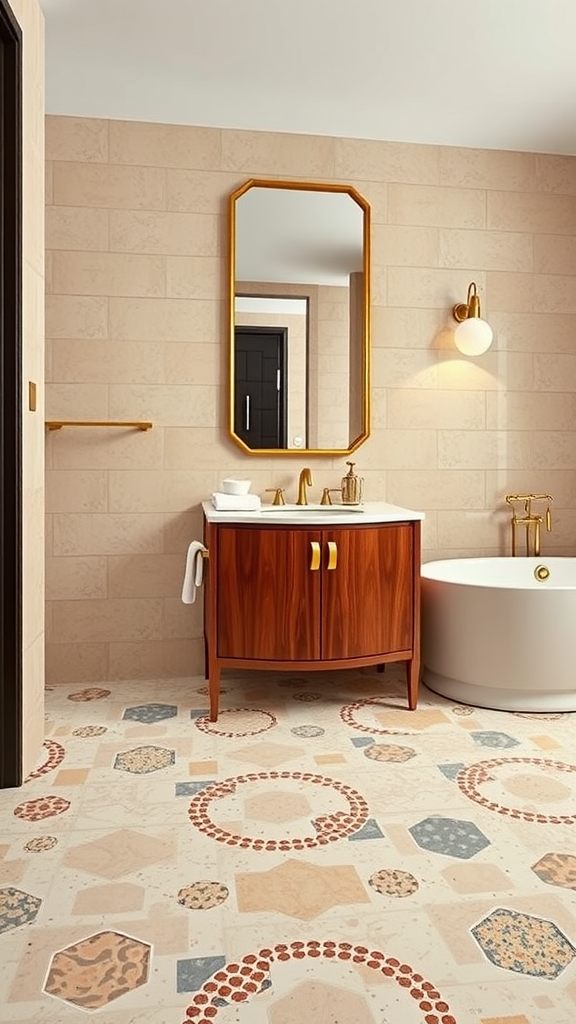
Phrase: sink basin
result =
(313, 508)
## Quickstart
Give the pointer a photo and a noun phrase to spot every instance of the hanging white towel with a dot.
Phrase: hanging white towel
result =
(194, 572)
(236, 502)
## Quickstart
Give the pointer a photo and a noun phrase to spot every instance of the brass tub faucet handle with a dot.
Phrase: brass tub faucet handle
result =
(278, 495)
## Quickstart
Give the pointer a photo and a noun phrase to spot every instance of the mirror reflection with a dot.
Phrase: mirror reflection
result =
(299, 283)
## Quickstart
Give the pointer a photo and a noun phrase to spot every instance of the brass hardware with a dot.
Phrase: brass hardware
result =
(315, 555)
(541, 572)
(31, 396)
(463, 310)
(332, 554)
(58, 424)
(304, 480)
(204, 553)
(326, 499)
(531, 522)
(352, 486)
(278, 495)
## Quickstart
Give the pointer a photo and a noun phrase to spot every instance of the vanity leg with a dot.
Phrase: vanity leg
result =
(206, 669)
(412, 681)
(214, 689)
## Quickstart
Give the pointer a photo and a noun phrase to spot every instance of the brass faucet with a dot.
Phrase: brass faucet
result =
(531, 522)
(304, 480)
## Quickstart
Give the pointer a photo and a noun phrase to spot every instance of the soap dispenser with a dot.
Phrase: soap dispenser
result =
(352, 487)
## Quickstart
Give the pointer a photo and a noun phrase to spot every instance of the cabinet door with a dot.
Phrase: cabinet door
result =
(367, 599)
(268, 594)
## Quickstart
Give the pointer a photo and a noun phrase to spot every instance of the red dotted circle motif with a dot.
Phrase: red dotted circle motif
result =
(238, 982)
(347, 714)
(205, 725)
(56, 754)
(475, 775)
(329, 827)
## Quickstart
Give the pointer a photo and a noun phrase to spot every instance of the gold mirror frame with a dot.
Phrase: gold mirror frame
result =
(364, 376)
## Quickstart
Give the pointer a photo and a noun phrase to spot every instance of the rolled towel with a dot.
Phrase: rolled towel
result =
(236, 502)
(194, 572)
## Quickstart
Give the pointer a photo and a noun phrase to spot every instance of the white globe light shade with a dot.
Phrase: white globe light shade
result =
(473, 336)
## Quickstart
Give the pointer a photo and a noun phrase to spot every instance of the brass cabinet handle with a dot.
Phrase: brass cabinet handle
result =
(315, 555)
(332, 554)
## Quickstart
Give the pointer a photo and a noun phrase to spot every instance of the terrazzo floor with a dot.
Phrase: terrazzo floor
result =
(319, 853)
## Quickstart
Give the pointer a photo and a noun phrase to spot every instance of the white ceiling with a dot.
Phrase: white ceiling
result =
(497, 74)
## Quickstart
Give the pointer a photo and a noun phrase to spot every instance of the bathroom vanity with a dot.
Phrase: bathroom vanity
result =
(312, 587)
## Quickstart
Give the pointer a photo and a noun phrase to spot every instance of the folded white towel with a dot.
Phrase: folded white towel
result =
(194, 572)
(236, 502)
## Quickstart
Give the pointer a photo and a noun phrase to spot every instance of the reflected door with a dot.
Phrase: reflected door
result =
(260, 386)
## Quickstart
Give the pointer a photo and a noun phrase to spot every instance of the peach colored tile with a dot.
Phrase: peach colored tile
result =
(77, 402)
(189, 363)
(329, 759)
(496, 370)
(174, 234)
(76, 663)
(526, 410)
(48, 183)
(76, 316)
(71, 776)
(490, 169)
(198, 191)
(263, 154)
(162, 659)
(554, 449)
(555, 294)
(400, 245)
(509, 292)
(430, 287)
(109, 186)
(484, 449)
(109, 899)
(108, 273)
(397, 368)
(472, 529)
(203, 767)
(491, 250)
(545, 742)
(73, 491)
(182, 620)
(161, 491)
(69, 227)
(360, 160)
(73, 579)
(436, 206)
(440, 489)
(164, 145)
(98, 621)
(110, 534)
(405, 327)
(523, 332)
(398, 449)
(196, 277)
(158, 575)
(146, 319)
(555, 173)
(554, 254)
(428, 409)
(169, 405)
(199, 447)
(132, 362)
(179, 528)
(526, 211)
(76, 138)
(555, 372)
(560, 483)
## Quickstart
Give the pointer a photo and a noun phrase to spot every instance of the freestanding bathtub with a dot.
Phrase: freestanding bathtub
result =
(497, 636)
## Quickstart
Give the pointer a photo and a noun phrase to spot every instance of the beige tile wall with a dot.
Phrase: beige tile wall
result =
(137, 329)
(31, 21)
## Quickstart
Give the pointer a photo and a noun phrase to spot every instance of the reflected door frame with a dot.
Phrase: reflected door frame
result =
(10, 399)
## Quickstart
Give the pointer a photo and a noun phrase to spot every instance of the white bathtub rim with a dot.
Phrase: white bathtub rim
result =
(498, 698)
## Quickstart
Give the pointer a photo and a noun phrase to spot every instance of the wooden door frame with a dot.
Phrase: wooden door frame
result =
(11, 681)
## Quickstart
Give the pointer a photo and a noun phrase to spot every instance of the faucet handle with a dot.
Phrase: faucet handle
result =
(326, 499)
(278, 495)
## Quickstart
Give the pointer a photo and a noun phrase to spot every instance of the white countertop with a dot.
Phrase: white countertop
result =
(316, 515)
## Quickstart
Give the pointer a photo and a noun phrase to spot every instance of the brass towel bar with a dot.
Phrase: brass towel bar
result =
(58, 424)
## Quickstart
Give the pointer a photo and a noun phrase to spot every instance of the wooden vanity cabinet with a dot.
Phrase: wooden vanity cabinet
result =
(302, 598)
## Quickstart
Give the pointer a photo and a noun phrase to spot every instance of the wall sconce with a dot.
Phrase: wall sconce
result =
(473, 336)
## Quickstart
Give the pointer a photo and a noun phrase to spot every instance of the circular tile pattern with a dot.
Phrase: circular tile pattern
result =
(545, 716)
(306, 696)
(205, 690)
(471, 779)
(43, 807)
(40, 844)
(236, 722)
(239, 982)
(391, 882)
(90, 730)
(293, 681)
(388, 752)
(90, 693)
(462, 710)
(56, 754)
(203, 895)
(329, 827)
(349, 711)
(307, 731)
